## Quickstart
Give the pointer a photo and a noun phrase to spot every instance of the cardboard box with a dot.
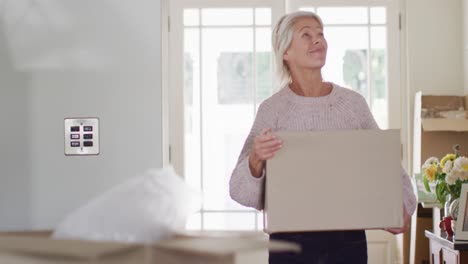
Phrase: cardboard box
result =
(38, 248)
(434, 133)
(335, 180)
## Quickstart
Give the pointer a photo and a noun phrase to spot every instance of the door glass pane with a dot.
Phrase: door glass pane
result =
(191, 17)
(379, 75)
(262, 16)
(192, 107)
(222, 86)
(260, 225)
(343, 15)
(229, 221)
(194, 222)
(378, 15)
(227, 110)
(227, 16)
(264, 87)
(346, 62)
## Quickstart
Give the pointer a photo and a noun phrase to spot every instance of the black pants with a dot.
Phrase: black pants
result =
(329, 247)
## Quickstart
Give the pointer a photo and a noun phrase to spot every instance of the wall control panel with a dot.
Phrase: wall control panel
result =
(81, 136)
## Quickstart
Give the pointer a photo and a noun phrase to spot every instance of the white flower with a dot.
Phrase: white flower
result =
(451, 178)
(460, 167)
(448, 167)
(461, 162)
(459, 173)
(431, 160)
(463, 175)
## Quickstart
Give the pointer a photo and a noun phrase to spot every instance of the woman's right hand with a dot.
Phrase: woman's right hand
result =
(264, 147)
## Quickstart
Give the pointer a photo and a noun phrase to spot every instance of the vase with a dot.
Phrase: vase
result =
(453, 210)
(448, 201)
(446, 222)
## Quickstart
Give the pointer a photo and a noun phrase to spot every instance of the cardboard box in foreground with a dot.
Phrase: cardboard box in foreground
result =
(335, 180)
(38, 248)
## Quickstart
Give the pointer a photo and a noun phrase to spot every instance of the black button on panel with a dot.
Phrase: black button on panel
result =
(75, 144)
(75, 128)
(88, 128)
(88, 136)
(87, 143)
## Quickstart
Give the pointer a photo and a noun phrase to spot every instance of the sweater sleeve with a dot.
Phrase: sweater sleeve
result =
(368, 122)
(244, 188)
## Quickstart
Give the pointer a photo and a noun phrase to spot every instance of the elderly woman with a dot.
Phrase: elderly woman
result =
(305, 103)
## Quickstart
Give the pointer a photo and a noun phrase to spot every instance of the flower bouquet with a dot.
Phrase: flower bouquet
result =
(448, 175)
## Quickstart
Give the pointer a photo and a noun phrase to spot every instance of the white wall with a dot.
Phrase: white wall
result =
(465, 43)
(434, 36)
(67, 58)
(15, 167)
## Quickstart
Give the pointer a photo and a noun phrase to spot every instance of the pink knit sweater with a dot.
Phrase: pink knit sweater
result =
(285, 110)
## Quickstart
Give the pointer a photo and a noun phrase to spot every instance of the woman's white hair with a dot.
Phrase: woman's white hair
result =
(281, 40)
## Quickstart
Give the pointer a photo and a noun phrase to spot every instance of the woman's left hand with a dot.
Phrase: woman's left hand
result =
(407, 221)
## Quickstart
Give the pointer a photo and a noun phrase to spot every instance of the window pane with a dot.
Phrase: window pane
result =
(263, 39)
(379, 75)
(264, 86)
(228, 110)
(347, 57)
(194, 222)
(191, 17)
(218, 170)
(378, 15)
(227, 16)
(260, 225)
(343, 15)
(235, 78)
(192, 107)
(229, 221)
(262, 16)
